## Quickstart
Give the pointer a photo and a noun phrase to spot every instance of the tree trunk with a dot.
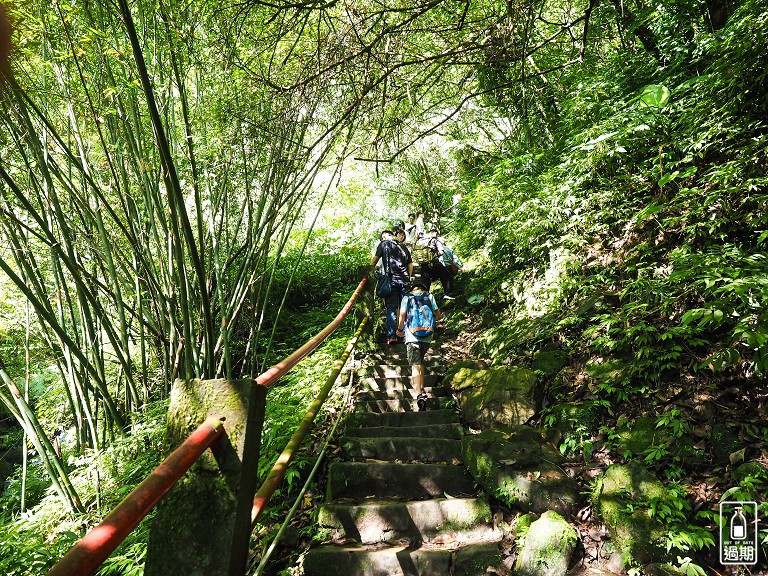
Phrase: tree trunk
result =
(629, 22)
(718, 13)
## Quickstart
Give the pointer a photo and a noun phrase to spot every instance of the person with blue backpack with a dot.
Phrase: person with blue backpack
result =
(416, 321)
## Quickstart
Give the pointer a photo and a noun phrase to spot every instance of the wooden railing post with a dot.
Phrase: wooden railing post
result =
(199, 525)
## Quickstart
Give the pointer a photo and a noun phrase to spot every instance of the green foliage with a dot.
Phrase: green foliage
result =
(320, 275)
(33, 542)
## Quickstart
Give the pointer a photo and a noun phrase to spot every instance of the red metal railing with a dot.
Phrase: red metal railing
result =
(275, 476)
(85, 557)
(273, 374)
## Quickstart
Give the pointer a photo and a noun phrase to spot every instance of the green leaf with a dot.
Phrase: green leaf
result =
(655, 96)
(668, 177)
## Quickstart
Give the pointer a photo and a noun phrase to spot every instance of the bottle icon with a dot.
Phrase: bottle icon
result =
(738, 525)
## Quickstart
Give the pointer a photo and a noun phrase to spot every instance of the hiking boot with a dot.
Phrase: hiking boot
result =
(421, 401)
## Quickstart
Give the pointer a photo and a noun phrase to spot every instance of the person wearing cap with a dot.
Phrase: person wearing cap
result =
(416, 348)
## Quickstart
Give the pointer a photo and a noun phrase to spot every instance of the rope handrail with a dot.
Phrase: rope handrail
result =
(85, 557)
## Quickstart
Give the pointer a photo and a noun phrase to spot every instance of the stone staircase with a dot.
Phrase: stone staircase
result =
(401, 501)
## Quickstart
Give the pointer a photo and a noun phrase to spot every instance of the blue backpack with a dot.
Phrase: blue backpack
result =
(420, 318)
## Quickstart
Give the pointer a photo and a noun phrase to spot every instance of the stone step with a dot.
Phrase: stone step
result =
(436, 521)
(470, 560)
(425, 418)
(401, 449)
(450, 431)
(400, 359)
(391, 370)
(402, 405)
(386, 349)
(395, 382)
(360, 480)
(407, 393)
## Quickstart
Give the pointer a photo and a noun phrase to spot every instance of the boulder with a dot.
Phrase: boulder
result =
(618, 498)
(753, 468)
(577, 419)
(547, 547)
(549, 362)
(496, 396)
(635, 437)
(518, 466)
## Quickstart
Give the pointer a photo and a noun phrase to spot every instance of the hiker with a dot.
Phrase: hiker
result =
(419, 223)
(422, 256)
(416, 322)
(437, 269)
(410, 231)
(398, 266)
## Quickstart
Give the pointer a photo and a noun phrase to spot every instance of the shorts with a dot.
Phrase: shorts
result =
(415, 352)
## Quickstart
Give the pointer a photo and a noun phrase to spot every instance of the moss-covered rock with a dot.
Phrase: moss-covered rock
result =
(576, 419)
(547, 547)
(470, 364)
(754, 469)
(611, 371)
(636, 436)
(520, 468)
(618, 498)
(496, 396)
(549, 362)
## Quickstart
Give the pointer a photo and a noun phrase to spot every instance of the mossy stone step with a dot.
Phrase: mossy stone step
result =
(450, 431)
(432, 363)
(424, 418)
(393, 370)
(407, 393)
(395, 382)
(438, 521)
(470, 560)
(360, 480)
(401, 405)
(399, 354)
(401, 449)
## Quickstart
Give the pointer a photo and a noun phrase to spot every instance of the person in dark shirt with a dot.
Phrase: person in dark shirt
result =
(397, 263)
(437, 268)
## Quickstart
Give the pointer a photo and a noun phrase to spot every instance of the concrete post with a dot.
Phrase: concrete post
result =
(367, 305)
(202, 526)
